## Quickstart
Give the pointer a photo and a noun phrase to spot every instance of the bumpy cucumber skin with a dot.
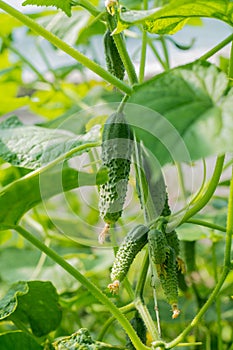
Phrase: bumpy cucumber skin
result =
(113, 60)
(171, 237)
(169, 280)
(158, 246)
(130, 247)
(116, 156)
(173, 241)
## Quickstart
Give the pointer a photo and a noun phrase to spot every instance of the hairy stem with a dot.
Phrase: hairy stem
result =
(53, 39)
(86, 283)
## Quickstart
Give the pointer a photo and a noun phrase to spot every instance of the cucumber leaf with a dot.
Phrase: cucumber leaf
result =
(34, 146)
(184, 114)
(18, 340)
(64, 5)
(172, 17)
(23, 194)
(34, 303)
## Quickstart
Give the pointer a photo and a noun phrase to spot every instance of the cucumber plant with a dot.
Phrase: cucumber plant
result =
(140, 120)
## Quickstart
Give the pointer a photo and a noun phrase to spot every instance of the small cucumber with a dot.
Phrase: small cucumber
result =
(169, 281)
(158, 246)
(132, 244)
(116, 157)
(113, 60)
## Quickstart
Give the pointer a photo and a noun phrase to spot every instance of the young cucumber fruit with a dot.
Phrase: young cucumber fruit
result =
(169, 281)
(112, 57)
(132, 244)
(158, 246)
(116, 157)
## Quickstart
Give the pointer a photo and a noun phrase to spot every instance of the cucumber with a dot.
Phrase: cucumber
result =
(158, 246)
(116, 157)
(113, 60)
(132, 244)
(169, 281)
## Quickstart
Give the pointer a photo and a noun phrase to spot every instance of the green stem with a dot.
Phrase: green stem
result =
(144, 313)
(218, 301)
(144, 46)
(142, 276)
(125, 309)
(121, 47)
(229, 231)
(181, 180)
(96, 292)
(230, 72)
(218, 286)
(88, 6)
(143, 57)
(206, 224)
(209, 192)
(155, 52)
(26, 61)
(53, 39)
(165, 51)
(216, 48)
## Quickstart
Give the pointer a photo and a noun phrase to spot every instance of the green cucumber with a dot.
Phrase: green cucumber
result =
(116, 157)
(169, 281)
(158, 246)
(113, 60)
(130, 247)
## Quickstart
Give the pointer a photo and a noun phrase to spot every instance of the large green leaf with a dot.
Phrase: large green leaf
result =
(18, 341)
(23, 194)
(34, 146)
(34, 303)
(64, 5)
(184, 114)
(172, 17)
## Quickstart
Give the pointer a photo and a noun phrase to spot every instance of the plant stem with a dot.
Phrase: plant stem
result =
(229, 231)
(143, 50)
(142, 277)
(181, 180)
(143, 57)
(218, 301)
(225, 271)
(165, 51)
(144, 313)
(88, 6)
(163, 64)
(121, 47)
(125, 309)
(96, 292)
(53, 39)
(26, 61)
(209, 192)
(230, 72)
(216, 48)
(206, 224)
